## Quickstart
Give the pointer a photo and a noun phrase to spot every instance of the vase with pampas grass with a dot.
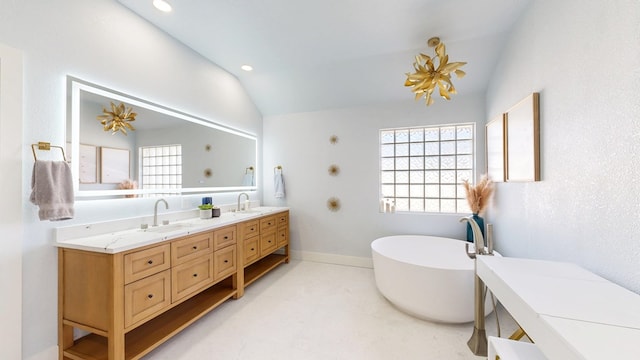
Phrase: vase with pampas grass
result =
(128, 185)
(478, 197)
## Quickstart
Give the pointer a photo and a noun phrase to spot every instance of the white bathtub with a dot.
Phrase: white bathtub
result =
(427, 277)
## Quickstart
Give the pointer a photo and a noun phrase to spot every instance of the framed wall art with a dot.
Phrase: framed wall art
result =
(114, 165)
(495, 149)
(523, 140)
(88, 164)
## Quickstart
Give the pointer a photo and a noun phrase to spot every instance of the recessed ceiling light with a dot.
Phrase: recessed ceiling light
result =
(246, 67)
(162, 5)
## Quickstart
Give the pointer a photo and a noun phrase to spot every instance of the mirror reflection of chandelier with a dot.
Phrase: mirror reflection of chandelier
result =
(427, 77)
(118, 119)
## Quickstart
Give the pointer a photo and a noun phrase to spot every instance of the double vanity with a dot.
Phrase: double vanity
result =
(130, 290)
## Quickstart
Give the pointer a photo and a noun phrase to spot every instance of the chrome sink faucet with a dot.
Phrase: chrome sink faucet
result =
(239, 196)
(155, 210)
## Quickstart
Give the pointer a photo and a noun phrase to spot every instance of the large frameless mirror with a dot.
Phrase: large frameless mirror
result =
(136, 148)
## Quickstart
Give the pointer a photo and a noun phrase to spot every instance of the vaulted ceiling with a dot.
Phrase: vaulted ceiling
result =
(313, 55)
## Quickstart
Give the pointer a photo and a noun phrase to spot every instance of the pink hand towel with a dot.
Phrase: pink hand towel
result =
(52, 190)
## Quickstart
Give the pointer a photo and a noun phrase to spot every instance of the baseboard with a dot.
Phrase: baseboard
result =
(332, 258)
(47, 354)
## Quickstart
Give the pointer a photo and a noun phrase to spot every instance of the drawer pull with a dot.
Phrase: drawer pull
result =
(226, 237)
(195, 275)
(226, 261)
(150, 262)
(269, 223)
(150, 296)
(252, 249)
(251, 229)
(195, 248)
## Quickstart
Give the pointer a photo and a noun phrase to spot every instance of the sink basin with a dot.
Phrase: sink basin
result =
(256, 210)
(166, 228)
(250, 211)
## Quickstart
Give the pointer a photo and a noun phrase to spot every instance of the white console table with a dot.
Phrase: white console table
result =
(569, 312)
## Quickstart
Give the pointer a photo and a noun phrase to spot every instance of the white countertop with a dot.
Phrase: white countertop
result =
(93, 237)
(569, 312)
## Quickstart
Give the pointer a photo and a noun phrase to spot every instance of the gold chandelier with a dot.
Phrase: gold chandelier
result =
(118, 119)
(426, 76)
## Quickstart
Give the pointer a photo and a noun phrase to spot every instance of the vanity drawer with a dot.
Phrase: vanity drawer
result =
(282, 219)
(143, 263)
(191, 247)
(282, 236)
(268, 224)
(224, 237)
(249, 229)
(224, 262)
(268, 243)
(251, 249)
(144, 298)
(191, 276)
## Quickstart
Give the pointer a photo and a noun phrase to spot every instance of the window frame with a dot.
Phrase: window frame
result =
(162, 185)
(413, 185)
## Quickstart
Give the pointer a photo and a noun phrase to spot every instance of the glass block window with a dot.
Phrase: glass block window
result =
(161, 167)
(422, 168)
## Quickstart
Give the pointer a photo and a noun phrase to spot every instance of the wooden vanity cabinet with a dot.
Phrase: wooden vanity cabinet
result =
(133, 301)
(190, 277)
(282, 234)
(140, 264)
(191, 247)
(146, 297)
(265, 246)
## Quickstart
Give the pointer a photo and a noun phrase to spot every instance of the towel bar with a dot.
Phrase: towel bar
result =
(45, 146)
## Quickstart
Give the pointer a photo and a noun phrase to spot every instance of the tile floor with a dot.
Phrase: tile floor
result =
(314, 311)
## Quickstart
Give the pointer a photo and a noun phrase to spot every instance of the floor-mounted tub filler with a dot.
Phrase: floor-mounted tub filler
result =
(428, 277)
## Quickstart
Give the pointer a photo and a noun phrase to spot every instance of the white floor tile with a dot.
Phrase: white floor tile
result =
(308, 311)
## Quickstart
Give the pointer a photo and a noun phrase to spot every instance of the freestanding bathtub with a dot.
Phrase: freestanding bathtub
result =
(427, 277)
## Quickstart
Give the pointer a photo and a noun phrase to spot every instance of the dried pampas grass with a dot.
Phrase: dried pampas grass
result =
(478, 196)
(128, 185)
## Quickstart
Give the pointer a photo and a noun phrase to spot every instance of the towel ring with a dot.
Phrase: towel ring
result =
(45, 146)
(277, 168)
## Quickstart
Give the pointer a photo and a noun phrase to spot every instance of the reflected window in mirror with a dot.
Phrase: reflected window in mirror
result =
(161, 167)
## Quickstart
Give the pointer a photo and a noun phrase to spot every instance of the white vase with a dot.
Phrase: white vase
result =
(206, 214)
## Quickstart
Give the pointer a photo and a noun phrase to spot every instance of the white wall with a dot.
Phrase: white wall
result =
(11, 233)
(584, 59)
(300, 143)
(104, 43)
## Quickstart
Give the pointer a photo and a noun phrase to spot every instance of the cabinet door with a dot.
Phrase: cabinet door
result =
(140, 264)
(191, 247)
(251, 249)
(144, 298)
(224, 237)
(268, 243)
(282, 236)
(224, 262)
(190, 277)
